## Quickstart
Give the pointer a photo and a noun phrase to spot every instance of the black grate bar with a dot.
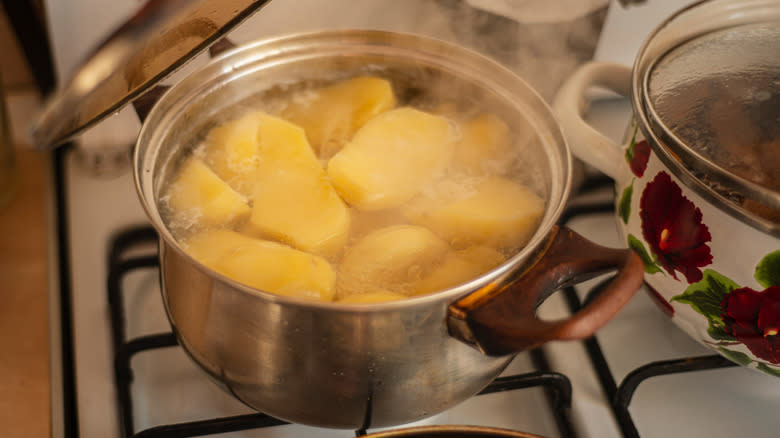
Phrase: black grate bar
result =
(557, 388)
(129, 349)
(128, 238)
(211, 426)
(115, 274)
(627, 388)
(556, 381)
(561, 411)
(595, 182)
(70, 416)
(149, 342)
(581, 210)
(592, 346)
(123, 373)
(118, 268)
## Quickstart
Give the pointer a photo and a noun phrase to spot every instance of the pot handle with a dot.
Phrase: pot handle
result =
(500, 318)
(570, 103)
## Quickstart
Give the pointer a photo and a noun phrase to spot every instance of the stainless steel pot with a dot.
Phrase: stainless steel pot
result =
(355, 366)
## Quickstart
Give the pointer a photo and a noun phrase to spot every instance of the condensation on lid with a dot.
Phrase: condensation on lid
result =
(719, 95)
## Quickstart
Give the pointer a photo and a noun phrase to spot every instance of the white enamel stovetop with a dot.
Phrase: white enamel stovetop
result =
(168, 387)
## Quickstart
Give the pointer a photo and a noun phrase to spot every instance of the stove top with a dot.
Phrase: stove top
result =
(117, 370)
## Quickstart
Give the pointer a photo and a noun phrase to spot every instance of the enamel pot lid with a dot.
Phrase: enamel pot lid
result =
(158, 39)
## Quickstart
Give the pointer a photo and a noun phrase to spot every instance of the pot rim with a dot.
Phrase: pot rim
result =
(477, 431)
(668, 146)
(268, 50)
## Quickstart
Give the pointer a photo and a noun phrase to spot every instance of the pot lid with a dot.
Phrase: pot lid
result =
(713, 100)
(159, 38)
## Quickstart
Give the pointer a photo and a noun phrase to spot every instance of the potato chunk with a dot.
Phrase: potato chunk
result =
(391, 157)
(198, 194)
(459, 267)
(390, 259)
(494, 211)
(293, 199)
(485, 145)
(331, 115)
(364, 222)
(264, 265)
(232, 150)
(211, 246)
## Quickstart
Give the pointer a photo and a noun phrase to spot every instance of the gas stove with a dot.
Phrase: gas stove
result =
(117, 370)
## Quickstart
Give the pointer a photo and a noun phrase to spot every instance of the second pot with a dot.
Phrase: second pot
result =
(697, 181)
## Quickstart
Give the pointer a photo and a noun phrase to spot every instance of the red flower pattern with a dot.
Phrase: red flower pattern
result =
(672, 226)
(637, 156)
(754, 319)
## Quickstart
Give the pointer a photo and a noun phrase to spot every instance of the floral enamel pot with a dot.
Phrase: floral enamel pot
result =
(698, 175)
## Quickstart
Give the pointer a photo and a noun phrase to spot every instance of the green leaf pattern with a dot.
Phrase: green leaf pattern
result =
(736, 356)
(651, 267)
(706, 295)
(624, 206)
(717, 333)
(630, 149)
(768, 270)
(769, 370)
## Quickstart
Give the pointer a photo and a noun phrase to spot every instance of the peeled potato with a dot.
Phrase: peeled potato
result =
(374, 297)
(364, 222)
(495, 211)
(485, 145)
(197, 192)
(331, 115)
(459, 267)
(293, 200)
(209, 247)
(232, 151)
(264, 265)
(391, 157)
(389, 259)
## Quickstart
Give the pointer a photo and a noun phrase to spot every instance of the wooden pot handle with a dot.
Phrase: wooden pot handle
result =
(500, 318)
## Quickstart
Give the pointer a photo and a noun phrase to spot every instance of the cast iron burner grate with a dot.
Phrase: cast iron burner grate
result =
(556, 385)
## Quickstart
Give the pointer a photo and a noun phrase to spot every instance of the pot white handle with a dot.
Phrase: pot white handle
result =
(587, 143)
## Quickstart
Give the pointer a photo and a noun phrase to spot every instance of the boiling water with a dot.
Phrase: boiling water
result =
(413, 274)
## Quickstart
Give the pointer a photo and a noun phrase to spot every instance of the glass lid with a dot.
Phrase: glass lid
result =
(714, 101)
(158, 39)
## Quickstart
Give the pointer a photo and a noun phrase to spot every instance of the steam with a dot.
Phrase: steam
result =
(543, 52)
